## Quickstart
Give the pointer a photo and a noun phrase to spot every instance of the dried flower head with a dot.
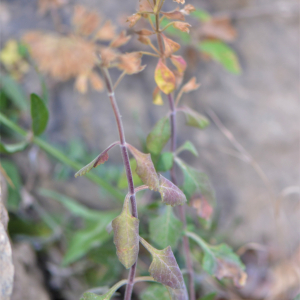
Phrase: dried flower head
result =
(131, 62)
(63, 57)
(48, 5)
(84, 21)
(107, 32)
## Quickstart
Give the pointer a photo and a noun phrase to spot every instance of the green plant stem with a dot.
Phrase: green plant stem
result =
(62, 157)
(125, 156)
(186, 246)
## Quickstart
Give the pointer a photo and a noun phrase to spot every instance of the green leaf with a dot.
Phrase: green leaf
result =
(193, 118)
(159, 136)
(210, 296)
(170, 193)
(94, 235)
(13, 90)
(155, 291)
(165, 162)
(201, 14)
(72, 205)
(221, 53)
(220, 261)
(126, 236)
(195, 181)
(297, 297)
(106, 296)
(166, 229)
(122, 182)
(13, 198)
(189, 147)
(164, 268)
(99, 160)
(13, 148)
(145, 168)
(39, 114)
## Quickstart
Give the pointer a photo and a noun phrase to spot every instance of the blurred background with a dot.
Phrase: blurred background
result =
(250, 150)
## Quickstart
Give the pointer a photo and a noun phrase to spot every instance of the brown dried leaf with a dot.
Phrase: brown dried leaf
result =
(144, 40)
(174, 15)
(126, 236)
(170, 46)
(107, 32)
(191, 85)
(188, 9)
(63, 57)
(131, 62)
(120, 40)
(164, 267)
(133, 19)
(182, 26)
(219, 28)
(170, 193)
(96, 81)
(145, 32)
(145, 168)
(85, 21)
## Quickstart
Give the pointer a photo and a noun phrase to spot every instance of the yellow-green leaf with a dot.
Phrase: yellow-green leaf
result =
(145, 168)
(126, 236)
(164, 78)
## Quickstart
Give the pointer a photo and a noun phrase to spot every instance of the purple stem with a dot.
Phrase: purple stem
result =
(125, 157)
(186, 246)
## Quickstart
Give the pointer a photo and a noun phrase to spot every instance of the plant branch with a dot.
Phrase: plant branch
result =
(125, 157)
(62, 157)
(186, 246)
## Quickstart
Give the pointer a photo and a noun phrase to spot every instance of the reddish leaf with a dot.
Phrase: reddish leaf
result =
(178, 62)
(100, 159)
(164, 78)
(202, 206)
(170, 46)
(164, 267)
(170, 193)
(126, 236)
(145, 168)
(174, 15)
